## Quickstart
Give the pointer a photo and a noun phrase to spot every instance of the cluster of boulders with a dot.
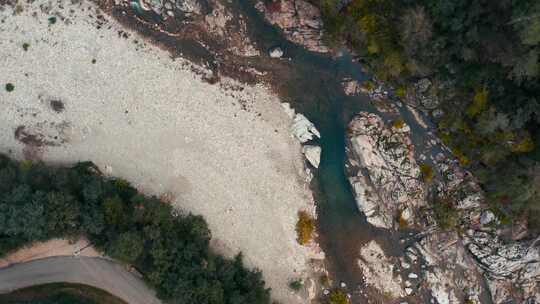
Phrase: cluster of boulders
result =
(305, 131)
(166, 9)
(209, 22)
(446, 266)
(300, 21)
(468, 263)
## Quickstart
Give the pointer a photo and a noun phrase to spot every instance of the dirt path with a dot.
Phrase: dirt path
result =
(50, 248)
(96, 272)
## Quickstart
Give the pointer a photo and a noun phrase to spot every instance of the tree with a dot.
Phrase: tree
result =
(172, 251)
(114, 210)
(128, 247)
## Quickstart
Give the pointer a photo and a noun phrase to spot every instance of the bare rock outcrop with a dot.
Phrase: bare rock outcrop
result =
(208, 21)
(300, 21)
(384, 173)
(512, 269)
(467, 262)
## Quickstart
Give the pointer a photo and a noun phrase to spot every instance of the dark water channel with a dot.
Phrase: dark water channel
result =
(313, 87)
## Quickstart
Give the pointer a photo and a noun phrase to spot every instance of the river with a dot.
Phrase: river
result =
(311, 83)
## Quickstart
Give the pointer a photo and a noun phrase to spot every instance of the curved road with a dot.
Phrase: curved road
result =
(96, 272)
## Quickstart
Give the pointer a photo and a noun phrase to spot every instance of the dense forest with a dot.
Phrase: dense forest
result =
(483, 60)
(171, 250)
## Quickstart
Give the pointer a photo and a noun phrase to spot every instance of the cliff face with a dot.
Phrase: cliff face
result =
(458, 253)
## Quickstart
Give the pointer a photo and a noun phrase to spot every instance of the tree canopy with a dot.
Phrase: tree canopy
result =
(483, 59)
(38, 202)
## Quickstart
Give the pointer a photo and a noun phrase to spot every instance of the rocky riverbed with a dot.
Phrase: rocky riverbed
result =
(454, 250)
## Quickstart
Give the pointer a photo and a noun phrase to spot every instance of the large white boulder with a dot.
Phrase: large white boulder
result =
(303, 129)
(313, 154)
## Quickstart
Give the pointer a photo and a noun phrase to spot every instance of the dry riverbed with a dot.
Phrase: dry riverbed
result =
(81, 88)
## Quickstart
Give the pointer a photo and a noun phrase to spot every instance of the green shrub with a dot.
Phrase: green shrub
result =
(426, 173)
(296, 285)
(337, 296)
(446, 215)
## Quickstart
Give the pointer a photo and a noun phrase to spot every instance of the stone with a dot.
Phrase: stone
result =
(471, 201)
(312, 154)
(384, 175)
(189, 7)
(405, 265)
(487, 217)
(378, 270)
(299, 20)
(288, 110)
(423, 85)
(351, 87)
(516, 262)
(303, 129)
(413, 275)
(275, 52)
(429, 102)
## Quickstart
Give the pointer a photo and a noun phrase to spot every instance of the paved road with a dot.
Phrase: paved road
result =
(97, 272)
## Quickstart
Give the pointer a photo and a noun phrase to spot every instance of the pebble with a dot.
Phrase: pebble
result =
(413, 275)
(276, 52)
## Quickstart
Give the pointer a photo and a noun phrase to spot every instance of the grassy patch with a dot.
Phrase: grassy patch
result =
(304, 228)
(337, 296)
(398, 123)
(426, 173)
(296, 285)
(446, 214)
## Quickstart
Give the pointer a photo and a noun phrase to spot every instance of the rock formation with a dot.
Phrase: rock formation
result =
(466, 262)
(384, 173)
(300, 21)
(313, 154)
